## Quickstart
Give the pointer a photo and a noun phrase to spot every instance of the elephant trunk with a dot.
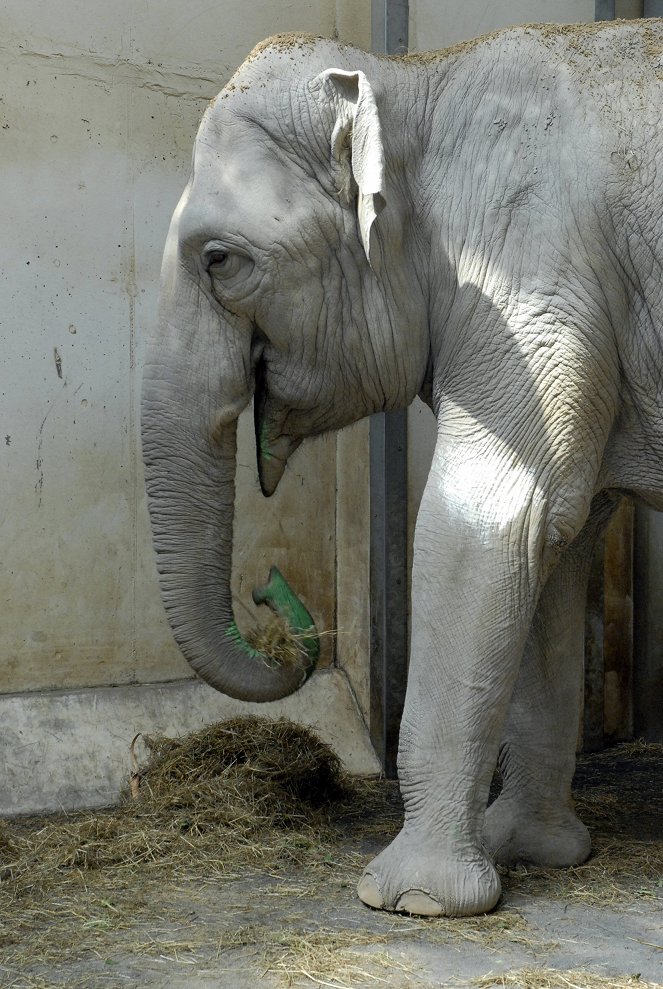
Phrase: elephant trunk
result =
(193, 390)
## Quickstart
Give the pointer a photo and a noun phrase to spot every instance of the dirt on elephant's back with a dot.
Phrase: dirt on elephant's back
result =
(591, 41)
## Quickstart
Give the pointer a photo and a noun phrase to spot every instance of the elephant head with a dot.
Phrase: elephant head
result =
(273, 287)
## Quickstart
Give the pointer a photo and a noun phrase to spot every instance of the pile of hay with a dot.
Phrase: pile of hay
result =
(231, 792)
(246, 793)
(277, 772)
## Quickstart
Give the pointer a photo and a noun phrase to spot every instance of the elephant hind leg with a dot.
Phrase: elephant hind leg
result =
(533, 820)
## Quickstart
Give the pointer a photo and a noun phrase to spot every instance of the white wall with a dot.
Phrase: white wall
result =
(441, 23)
(100, 105)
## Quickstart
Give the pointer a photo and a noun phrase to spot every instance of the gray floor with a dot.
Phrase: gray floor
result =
(407, 954)
(298, 925)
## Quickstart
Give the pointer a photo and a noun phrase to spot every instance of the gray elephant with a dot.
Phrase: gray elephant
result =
(482, 227)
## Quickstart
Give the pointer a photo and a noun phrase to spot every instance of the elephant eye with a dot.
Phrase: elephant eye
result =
(227, 267)
(216, 259)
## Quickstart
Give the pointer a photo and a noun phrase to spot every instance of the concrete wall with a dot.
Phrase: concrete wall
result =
(99, 115)
(99, 110)
(435, 24)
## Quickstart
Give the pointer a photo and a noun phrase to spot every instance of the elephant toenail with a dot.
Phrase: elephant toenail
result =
(369, 891)
(417, 902)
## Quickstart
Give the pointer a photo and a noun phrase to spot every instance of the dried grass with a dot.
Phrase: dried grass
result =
(550, 978)
(276, 640)
(229, 792)
(626, 863)
(639, 748)
(248, 793)
(322, 955)
(266, 803)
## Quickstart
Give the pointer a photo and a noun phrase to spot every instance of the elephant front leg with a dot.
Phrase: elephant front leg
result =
(533, 820)
(478, 556)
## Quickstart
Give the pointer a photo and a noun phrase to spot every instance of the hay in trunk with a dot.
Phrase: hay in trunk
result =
(277, 640)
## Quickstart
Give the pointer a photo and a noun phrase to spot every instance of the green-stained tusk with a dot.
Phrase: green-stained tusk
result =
(263, 443)
(280, 597)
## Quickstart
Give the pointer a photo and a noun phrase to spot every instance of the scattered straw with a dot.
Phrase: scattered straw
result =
(325, 956)
(551, 978)
(639, 748)
(266, 805)
(248, 793)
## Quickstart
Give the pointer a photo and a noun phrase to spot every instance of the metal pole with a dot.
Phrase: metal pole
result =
(604, 10)
(648, 577)
(389, 26)
(388, 495)
(594, 681)
(389, 583)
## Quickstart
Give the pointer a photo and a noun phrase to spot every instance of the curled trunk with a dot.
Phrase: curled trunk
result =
(197, 380)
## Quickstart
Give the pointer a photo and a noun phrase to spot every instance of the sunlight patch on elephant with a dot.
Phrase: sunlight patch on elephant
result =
(488, 491)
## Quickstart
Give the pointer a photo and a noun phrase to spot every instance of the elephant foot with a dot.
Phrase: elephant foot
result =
(517, 832)
(415, 876)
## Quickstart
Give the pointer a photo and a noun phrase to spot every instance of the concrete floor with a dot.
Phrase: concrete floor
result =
(295, 927)
(405, 955)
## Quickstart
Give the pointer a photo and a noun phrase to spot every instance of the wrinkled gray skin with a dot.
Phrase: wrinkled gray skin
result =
(516, 189)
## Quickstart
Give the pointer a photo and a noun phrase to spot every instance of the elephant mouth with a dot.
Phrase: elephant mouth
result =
(274, 444)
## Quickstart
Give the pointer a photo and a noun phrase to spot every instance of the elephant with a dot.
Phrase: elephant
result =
(481, 227)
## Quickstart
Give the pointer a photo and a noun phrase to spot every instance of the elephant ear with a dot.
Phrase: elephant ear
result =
(356, 146)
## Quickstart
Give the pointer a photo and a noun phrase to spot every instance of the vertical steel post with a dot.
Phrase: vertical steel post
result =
(604, 10)
(388, 536)
(389, 26)
(648, 622)
(594, 678)
(594, 694)
(648, 578)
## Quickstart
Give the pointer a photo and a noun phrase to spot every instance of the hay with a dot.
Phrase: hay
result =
(265, 804)
(262, 771)
(619, 797)
(276, 640)
(323, 956)
(551, 978)
(235, 785)
(245, 793)
(637, 749)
